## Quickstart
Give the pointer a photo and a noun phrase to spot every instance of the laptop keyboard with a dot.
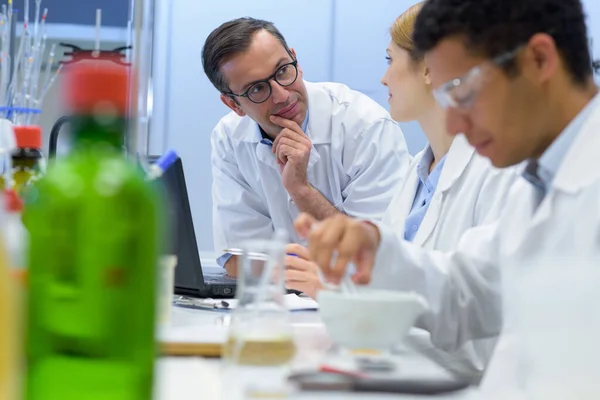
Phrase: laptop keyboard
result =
(220, 279)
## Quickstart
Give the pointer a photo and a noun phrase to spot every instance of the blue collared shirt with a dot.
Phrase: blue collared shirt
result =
(540, 173)
(425, 190)
(266, 141)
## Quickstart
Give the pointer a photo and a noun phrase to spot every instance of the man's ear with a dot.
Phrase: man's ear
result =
(233, 104)
(300, 72)
(542, 59)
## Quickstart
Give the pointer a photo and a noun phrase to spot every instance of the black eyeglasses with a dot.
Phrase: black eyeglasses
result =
(260, 91)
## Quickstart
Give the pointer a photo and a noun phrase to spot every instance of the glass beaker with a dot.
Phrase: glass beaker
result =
(260, 344)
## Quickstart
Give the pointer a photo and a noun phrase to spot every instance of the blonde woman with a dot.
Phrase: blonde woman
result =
(449, 188)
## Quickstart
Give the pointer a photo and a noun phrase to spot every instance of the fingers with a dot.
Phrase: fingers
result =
(362, 277)
(366, 259)
(299, 264)
(294, 144)
(324, 240)
(299, 250)
(285, 152)
(286, 123)
(299, 137)
(349, 249)
(231, 266)
(280, 155)
(308, 283)
(296, 137)
(308, 288)
(285, 147)
(349, 241)
(303, 225)
(339, 268)
(292, 275)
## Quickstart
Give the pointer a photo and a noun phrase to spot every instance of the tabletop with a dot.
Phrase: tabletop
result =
(179, 377)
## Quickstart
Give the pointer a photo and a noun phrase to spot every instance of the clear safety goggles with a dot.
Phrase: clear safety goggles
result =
(461, 92)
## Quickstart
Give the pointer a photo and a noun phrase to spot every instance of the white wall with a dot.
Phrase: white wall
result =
(359, 51)
(340, 46)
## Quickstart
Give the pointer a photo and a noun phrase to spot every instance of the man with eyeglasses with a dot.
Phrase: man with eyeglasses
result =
(291, 146)
(516, 79)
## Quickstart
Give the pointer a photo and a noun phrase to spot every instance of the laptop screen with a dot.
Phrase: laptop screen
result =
(180, 233)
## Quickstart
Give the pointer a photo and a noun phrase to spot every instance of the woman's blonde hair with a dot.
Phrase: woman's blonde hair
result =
(402, 30)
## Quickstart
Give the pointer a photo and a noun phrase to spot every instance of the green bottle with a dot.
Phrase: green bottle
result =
(95, 229)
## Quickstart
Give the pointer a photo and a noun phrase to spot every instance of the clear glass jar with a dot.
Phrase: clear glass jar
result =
(260, 345)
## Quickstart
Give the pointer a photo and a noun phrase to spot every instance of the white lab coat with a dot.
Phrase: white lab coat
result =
(549, 254)
(358, 161)
(469, 193)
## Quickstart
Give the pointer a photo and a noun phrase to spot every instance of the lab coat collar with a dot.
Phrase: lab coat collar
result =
(458, 157)
(320, 109)
(577, 169)
(404, 204)
(456, 161)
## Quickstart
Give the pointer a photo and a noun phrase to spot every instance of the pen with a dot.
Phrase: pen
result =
(239, 252)
(207, 304)
(334, 370)
(157, 169)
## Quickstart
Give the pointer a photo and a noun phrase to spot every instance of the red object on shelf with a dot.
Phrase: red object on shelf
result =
(12, 202)
(28, 136)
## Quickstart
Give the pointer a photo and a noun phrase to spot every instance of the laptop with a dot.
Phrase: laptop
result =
(190, 279)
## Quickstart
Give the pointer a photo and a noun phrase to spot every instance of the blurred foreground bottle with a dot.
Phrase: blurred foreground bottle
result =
(94, 236)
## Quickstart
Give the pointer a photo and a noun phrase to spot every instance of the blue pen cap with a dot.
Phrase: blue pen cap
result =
(166, 160)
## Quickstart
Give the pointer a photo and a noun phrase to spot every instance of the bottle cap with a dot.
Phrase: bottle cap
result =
(97, 87)
(12, 202)
(28, 136)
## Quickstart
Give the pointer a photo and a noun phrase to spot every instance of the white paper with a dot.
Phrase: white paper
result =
(201, 332)
(293, 303)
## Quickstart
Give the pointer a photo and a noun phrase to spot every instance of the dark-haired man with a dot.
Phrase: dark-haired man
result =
(516, 78)
(291, 146)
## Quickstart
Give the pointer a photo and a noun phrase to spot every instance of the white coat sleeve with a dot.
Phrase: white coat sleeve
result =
(238, 211)
(463, 287)
(377, 162)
